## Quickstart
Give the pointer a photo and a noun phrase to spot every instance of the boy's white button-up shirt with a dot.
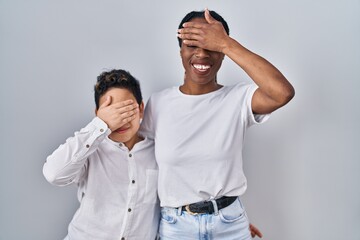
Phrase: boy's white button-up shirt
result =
(116, 187)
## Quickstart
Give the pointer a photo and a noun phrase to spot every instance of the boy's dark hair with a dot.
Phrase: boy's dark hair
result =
(201, 14)
(116, 78)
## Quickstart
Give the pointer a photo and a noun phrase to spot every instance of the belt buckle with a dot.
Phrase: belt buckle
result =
(187, 208)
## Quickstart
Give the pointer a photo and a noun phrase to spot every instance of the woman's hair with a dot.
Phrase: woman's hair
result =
(201, 14)
(116, 78)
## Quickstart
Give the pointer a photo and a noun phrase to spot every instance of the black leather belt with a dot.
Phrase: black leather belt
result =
(207, 206)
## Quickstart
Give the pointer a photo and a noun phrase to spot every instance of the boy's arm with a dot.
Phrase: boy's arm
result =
(67, 164)
(255, 231)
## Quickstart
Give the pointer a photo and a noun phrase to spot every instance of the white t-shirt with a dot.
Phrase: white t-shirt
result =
(117, 187)
(199, 141)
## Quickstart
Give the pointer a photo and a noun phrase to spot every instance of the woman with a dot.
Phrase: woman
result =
(199, 129)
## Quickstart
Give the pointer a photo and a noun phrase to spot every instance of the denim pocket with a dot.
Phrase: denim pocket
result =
(168, 216)
(232, 213)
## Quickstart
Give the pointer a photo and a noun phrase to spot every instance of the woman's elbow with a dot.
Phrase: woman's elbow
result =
(288, 94)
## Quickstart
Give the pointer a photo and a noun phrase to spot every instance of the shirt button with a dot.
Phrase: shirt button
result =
(87, 145)
(129, 210)
(133, 181)
(122, 238)
(130, 155)
(120, 144)
(101, 130)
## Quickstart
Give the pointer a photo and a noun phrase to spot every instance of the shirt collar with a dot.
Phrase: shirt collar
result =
(138, 146)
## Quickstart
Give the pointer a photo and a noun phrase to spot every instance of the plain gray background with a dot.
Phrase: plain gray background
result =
(302, 165)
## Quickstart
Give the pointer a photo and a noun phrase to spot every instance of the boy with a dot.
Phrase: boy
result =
(113, 166)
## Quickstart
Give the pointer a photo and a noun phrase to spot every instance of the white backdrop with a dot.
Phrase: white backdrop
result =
(302, 165)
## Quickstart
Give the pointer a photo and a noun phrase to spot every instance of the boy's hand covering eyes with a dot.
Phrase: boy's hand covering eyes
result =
(117, 114)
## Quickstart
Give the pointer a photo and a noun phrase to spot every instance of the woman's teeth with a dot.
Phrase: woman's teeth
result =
(201, 67)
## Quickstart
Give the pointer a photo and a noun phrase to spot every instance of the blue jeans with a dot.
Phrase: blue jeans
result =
(227, 223)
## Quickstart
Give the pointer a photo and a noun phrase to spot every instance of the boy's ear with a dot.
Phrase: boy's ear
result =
(141, 109)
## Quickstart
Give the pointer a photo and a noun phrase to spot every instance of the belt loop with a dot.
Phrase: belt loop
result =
(178, 211)
(216, 210)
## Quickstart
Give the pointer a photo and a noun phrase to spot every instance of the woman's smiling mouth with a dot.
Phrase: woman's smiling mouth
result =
(201, 67)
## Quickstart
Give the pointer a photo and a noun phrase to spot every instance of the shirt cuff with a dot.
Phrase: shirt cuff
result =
(98, 126)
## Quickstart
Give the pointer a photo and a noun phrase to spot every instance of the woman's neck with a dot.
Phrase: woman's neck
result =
(198, 89)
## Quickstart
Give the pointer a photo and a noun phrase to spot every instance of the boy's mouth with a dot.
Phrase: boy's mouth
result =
(122, 130)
